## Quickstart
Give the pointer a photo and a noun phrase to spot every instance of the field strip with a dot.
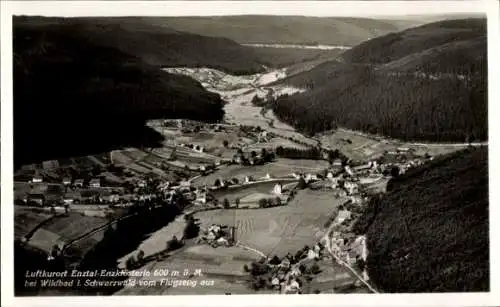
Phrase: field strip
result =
(244, 246)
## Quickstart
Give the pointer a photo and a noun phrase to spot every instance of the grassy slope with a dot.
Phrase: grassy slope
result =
(431, 229)
(284, 29)
(360, 91)
(74, 96)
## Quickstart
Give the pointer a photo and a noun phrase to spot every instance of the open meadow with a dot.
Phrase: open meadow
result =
(273, 143)
(278, 230)
(64, 229)
(250, 194)
(332, 276)
(279, 169)
(221, 269)
(26, 219)
(359, 146)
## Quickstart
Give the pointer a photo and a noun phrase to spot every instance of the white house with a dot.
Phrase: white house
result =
(292, 287)
(285, 263)
(79, 183)
(268, 177)
(185, 183)
(95, 183)
(356, 199)
(342, 193)
(141, 183)
(337, 162)
(37, 179)
(374, 164)
(68, 201)
(349, 170)
(295, 272)
(310, 177)
(316, 248)
(201, 197)
(214, 228)
(343, 215)
(278, 189)
(248, 179)
(275, 282)
(311, 254)
(351, 187)
(296, 176)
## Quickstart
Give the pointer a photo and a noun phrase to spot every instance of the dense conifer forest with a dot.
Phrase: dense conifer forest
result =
(429, 232)
(427, 83)
(73, 96)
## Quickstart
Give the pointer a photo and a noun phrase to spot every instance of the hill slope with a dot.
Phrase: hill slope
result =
(426, 83)
(155, 45)
(73, 96)
(429, 233)
(263, 29)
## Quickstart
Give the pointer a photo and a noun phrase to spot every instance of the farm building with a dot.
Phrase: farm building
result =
(199, 148)
(37, 179)
(95, 183)
(343, 215)
(72, 197)
(337, 162)
(249, 179)
(278, 189)
(141, 183)
(351, 187)
(66, 181)
(185, 184)
(79, 183)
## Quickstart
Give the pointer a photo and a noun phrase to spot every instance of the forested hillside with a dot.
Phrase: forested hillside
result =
(428, 83)
(73, 96)
(429, 232)
(154, 45)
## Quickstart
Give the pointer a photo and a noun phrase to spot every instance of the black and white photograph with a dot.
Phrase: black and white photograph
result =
(252, 148)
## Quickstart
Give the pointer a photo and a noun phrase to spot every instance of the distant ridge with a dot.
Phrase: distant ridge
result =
(266, 29)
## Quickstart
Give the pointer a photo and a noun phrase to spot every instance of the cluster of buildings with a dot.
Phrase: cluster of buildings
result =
(219, 235)
(243, 158)
(285, 275)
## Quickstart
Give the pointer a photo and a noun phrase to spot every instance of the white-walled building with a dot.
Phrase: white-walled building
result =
(351, 187)
(248, 179)
(278, 188)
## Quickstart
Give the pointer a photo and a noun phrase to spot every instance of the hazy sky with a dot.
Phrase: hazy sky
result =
(211, 8)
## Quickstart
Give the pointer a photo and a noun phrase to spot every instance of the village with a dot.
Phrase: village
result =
(219, 168)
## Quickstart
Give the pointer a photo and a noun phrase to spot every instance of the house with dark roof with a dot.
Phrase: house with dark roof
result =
(79, 183)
